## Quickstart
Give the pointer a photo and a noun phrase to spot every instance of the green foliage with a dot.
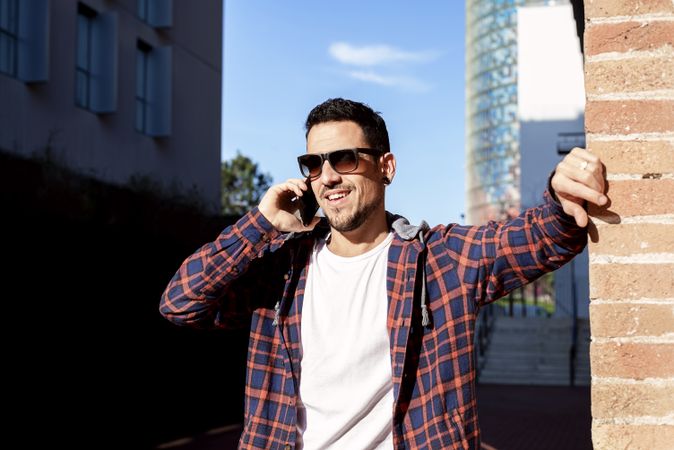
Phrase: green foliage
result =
(243, 185)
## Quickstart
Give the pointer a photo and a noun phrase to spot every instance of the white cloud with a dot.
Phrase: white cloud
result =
(406, 83)
(372, 55)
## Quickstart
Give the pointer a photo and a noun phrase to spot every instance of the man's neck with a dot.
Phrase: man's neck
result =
(358, 241)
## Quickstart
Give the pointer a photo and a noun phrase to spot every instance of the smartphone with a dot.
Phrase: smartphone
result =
(308, 206)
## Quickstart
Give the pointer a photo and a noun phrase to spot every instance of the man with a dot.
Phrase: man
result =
(362, 324)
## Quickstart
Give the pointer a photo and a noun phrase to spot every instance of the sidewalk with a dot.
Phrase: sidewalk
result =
(511, 418)
(534, 417)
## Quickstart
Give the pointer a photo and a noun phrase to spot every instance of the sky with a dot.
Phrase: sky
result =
(404, 59)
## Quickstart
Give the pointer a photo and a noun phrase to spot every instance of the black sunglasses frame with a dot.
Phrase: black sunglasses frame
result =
(326, 157)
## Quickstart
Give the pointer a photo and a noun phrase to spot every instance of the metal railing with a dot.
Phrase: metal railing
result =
(485, 323)
(483, 331)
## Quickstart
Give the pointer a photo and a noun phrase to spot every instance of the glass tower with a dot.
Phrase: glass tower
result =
(492, 135)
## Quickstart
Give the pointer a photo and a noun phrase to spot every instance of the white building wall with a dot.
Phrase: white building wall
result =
(107, 146)
(551, 101)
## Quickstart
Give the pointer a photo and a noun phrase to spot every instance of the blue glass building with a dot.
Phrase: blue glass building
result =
(492, 125)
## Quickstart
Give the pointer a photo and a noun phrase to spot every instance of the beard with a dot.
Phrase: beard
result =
(345, 223)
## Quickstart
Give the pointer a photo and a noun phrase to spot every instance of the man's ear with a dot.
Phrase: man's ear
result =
(388, 167)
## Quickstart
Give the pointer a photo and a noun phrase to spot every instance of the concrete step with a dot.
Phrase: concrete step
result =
(528, 363)
(528, 368)
(535, 350)
(558, 377)
(518, 347)
(526, 372)
(535, 381)
(524, 354)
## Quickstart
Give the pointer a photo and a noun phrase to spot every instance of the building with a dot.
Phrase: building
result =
(551, 105)
(126, 91)
(525, 103)
(525, 109)
(492, 117)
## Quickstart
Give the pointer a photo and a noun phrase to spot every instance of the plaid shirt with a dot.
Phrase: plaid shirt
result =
(251, 269)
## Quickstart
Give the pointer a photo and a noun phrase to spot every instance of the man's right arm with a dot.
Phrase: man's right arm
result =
(200, 293)
(196, 294)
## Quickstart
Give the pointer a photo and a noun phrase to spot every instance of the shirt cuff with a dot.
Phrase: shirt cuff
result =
(255, 227)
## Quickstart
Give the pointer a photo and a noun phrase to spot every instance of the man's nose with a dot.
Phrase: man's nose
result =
(329, 176)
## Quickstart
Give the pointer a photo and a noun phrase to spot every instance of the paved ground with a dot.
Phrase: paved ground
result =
(534, 417)
(511, 418)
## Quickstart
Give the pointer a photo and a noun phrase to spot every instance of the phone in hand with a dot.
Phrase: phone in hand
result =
(308, 206)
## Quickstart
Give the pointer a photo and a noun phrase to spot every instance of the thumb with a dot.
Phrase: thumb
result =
(578, 213)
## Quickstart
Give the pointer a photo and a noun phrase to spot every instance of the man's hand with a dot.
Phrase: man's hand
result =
(278, 207)
(578, 178)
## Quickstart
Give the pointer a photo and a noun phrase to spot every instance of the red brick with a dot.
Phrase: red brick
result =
(629, 75)
(632, 239)
(635, 198)
(632, 360)
(611, 400)
(629, 116)
(628, 36)
(635, 157)
(631, 281)
(608, 8)
(632, 437)
(627, 320)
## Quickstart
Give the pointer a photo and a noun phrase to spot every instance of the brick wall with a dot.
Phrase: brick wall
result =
(629, 77)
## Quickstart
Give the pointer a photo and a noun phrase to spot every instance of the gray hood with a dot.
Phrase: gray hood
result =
(408, 232)
(402, 227)
(405, 230)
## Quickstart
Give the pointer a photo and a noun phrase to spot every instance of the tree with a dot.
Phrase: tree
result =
(243, 185)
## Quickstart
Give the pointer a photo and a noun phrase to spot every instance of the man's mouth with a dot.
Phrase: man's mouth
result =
(336, 196)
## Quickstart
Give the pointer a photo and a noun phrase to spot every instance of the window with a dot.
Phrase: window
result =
(156, 13)
(85, 19)
(153, 89)
(144, 9)
(24, 39)
(96, 60)
(9, 36)
(142, 59)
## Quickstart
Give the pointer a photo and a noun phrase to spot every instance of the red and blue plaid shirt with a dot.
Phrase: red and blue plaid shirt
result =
(253, 274)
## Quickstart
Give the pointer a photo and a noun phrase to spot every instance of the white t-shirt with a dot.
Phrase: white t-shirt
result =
(346, 389)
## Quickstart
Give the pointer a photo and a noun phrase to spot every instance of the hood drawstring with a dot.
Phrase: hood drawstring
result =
(287, 276)
(277, 313)
(408, 232)
(320, 229)
(425, 319)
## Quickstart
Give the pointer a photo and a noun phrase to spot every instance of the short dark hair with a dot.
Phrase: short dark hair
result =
(340, 110)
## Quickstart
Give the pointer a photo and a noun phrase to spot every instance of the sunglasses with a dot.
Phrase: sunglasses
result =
(341, 161)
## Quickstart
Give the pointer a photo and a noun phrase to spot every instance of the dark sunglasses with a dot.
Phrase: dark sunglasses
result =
(342, 161)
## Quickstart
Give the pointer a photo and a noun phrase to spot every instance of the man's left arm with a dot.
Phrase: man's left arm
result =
(512, 253)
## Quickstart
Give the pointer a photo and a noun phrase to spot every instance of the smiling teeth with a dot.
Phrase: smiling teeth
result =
(336, 196)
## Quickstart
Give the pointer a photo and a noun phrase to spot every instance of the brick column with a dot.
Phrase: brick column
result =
(629, 77)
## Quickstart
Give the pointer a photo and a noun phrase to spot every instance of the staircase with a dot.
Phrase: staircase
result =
(535, 351)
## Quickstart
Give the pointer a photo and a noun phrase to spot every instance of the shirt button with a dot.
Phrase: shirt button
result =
(288, 447)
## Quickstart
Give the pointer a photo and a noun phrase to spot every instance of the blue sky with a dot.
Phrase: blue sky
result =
(405, 59)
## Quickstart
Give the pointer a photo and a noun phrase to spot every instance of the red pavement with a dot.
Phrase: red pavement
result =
(511, 418)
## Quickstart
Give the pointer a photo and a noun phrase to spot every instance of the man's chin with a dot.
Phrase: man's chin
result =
(344, 222)
(339, 220)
